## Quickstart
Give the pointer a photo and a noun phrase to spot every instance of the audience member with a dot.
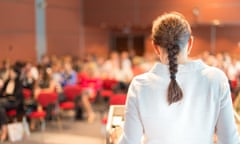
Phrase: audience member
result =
(11, 97)
(69, 75)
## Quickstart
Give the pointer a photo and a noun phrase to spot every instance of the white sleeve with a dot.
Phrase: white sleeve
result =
(133, 129)
(226, 128)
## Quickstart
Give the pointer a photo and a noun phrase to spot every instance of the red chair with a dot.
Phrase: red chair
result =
(118, 99)
(27, 93)
(11, 113)
(37, 115)
(72, 91)
(109, 84)
(68, 105)
(233, 84)
(87, 83)
(106, 93)
(44, 99)
(107, 88)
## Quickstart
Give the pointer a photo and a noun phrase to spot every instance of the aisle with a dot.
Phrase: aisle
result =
(61, 138)
(74, 132)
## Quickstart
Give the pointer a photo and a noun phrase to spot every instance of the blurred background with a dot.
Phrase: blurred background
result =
(78, 27)
(100, 45)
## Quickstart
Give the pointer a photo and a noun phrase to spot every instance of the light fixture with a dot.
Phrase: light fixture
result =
(216, 22)
(238, 44)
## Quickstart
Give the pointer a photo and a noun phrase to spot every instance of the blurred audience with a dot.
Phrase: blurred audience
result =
(53, 73)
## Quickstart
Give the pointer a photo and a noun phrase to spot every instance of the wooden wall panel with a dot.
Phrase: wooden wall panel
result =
(96, 41)
(142, 12)
(17, 30)
(77, 26)
(17, 16)
(117, 12)
(18, 47)
(228, 39)
(63, 22)
(201, 35)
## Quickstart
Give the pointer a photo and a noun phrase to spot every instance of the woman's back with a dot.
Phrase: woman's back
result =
(189, 121)
(179, 101)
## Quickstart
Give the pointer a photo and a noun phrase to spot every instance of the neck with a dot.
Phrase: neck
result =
(181, 59)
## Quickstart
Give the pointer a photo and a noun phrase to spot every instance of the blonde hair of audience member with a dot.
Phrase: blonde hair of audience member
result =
(149, 114)
(111, 66)
(91, 70)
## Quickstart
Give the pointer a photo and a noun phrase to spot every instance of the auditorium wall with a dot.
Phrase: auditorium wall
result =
(17, 30)
(64, 27)
(203, 16)
(77, 27)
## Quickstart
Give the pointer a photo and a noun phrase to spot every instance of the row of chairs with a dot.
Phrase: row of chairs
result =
(70, 92)
(47, 98)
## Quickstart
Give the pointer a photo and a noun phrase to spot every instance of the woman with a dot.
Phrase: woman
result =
(69, 76)
(11, 97)
(90, 84)
(45, 84)
(29, 76)
(179, 101)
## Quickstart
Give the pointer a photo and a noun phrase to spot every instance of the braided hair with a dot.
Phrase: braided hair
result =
(172, 32)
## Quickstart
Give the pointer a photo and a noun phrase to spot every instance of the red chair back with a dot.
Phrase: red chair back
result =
(109, 83)
(233, 84)
(118, 99)
(45, 99)
(27, 93)
(72, 91)
(12, 113)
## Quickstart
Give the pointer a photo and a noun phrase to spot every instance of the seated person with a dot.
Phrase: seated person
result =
(90, 83)
(69, 75)
(11, 97)
(70, 78)
(46, 84)
(29, 76)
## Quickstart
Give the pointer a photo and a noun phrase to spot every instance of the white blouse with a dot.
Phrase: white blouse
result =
(206, 107)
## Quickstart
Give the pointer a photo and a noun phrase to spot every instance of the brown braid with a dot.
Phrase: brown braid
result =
(174, 91)
(172, 32)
